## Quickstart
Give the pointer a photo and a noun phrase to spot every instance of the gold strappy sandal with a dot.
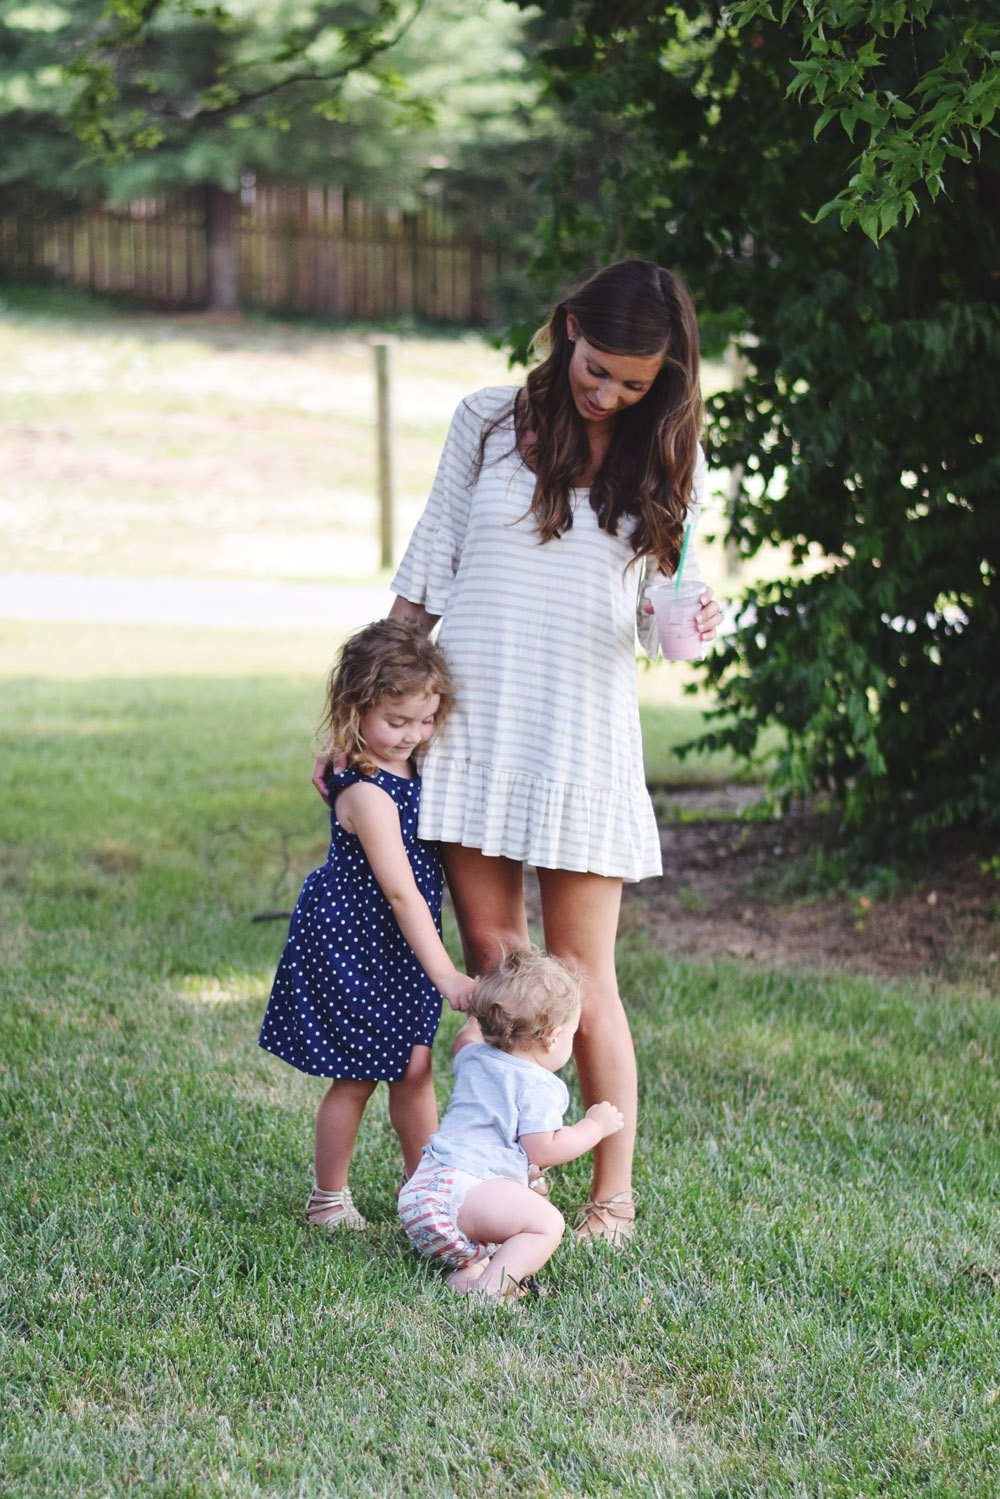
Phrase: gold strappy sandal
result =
(538, 1182)
(611, 1208)
(344, 1214)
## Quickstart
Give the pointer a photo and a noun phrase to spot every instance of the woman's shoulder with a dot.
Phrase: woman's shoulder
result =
(487, 404)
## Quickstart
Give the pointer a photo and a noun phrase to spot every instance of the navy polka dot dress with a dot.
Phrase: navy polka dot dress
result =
(350, 999)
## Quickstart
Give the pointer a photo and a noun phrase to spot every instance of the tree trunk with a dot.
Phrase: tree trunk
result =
(222, 224)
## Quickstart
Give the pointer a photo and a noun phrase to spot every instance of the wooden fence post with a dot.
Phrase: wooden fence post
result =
(383, 417)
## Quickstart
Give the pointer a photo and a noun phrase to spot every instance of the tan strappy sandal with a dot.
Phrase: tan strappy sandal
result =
(344, 1214)
(538, 1182)
(612, 1212)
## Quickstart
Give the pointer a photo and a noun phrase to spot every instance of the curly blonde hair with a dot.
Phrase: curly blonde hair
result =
(391, 658)
(524, 997)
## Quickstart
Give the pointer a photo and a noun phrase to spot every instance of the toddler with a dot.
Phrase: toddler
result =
(469, 1204)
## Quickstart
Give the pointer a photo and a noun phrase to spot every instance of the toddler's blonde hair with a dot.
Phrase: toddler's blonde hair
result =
(524, 997)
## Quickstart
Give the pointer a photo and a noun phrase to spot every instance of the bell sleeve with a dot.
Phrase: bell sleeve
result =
(427, 571)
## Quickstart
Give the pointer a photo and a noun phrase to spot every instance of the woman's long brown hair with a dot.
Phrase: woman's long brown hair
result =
(634, 308)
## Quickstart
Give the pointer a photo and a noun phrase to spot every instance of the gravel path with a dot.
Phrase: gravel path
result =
(211, 602)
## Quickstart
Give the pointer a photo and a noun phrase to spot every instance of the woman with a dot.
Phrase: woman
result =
(554, 508)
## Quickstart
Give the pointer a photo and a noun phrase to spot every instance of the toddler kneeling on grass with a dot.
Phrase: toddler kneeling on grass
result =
(468, 1204)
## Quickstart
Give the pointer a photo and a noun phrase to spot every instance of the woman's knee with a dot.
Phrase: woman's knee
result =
(487, 944)
(602, 1006)
(488, 896)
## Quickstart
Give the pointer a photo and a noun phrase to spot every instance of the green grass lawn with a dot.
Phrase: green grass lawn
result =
(810, 1310)
(811, 1306)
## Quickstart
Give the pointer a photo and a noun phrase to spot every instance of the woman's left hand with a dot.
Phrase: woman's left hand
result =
(709, 617)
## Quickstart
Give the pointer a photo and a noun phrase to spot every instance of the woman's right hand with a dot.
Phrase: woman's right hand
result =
(328, 764)
(320, 772)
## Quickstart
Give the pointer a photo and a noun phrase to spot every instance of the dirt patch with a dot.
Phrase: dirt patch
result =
(726, 893)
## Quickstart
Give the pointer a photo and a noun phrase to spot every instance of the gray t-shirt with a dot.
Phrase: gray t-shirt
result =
(497, 1098)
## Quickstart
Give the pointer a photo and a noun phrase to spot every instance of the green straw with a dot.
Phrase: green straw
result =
(680, 565)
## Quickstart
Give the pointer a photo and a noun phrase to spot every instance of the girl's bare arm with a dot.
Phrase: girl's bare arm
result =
(371, 814)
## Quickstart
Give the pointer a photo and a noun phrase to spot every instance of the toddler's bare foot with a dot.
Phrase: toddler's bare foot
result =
(506, 1293)
(463, 1280)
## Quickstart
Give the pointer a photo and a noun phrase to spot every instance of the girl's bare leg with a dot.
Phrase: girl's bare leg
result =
(463, 1280)
(580, 916)
(526, 1227)
(337, 1121)
(413, 1107)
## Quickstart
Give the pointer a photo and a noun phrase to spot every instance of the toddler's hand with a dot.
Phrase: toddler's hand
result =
(607, 1117)
(459, 991)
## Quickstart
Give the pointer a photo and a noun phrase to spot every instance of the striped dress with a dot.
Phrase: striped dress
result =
(541, 758)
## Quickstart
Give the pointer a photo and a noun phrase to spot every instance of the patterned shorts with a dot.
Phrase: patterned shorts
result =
(428, 1207)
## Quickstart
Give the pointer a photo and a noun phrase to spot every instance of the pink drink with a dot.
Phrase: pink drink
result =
(675, 609)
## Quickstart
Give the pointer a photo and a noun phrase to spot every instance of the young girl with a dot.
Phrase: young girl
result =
(357, 994)
(470, 1191)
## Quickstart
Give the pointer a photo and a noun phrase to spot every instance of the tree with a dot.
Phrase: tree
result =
(377, 97)
(850, 70)
(152, 71)
(866, 430)
(40, 148)
(388, 101)
(146, 97)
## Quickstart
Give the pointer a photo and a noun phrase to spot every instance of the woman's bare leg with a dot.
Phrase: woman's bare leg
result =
(488, 897)
(413, 1107)
(580, 916)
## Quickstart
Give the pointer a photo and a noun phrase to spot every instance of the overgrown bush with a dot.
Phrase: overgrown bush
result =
(866, 430)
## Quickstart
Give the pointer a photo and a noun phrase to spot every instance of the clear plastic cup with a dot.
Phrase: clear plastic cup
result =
(675, 609)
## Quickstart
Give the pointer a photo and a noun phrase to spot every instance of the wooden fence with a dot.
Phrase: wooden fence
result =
(303, 250)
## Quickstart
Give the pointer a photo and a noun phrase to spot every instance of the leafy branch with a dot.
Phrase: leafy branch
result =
(911, 139)
(121, 105)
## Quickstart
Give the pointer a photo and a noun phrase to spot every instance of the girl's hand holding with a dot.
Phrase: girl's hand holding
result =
(458, 991)
(607, 1117)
